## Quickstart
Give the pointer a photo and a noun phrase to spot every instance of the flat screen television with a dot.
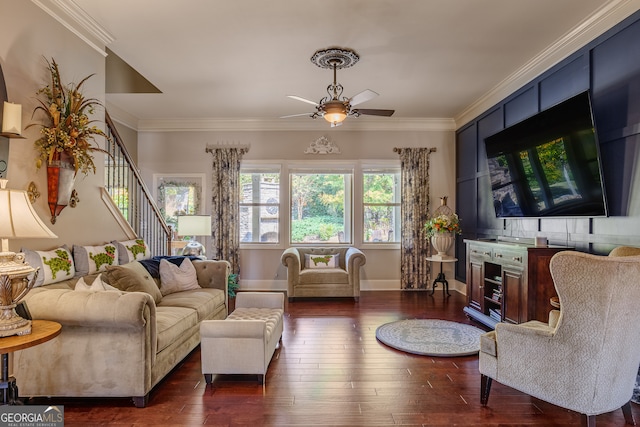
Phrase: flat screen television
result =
(548, 165)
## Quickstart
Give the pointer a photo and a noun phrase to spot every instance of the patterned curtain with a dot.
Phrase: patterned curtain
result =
(225, 204)
(414, 205)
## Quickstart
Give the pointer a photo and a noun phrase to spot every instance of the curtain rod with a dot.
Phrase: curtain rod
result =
(397, 150)
(242, 148)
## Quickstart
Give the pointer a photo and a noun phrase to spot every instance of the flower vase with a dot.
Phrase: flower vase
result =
(61, 176)
(442, 242)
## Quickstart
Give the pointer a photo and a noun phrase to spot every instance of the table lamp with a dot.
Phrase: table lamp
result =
(18, 219)
(194, 225)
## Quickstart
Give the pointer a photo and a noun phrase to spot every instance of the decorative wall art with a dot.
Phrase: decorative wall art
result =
(322, 145)
(179, 194)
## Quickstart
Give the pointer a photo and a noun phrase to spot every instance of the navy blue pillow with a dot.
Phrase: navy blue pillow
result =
(153, 265)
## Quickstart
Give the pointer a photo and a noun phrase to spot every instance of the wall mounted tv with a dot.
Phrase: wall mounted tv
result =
(548, 165)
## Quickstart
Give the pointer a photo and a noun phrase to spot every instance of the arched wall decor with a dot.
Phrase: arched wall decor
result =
(322, 145)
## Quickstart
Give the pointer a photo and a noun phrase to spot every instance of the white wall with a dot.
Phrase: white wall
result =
(184, 152)
(28, 36)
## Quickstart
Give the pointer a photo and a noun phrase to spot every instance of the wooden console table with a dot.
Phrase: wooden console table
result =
(41, 331)
(508, 281)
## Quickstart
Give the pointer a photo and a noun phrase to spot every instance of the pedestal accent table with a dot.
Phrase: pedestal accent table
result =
(441, 277)
(41, 331)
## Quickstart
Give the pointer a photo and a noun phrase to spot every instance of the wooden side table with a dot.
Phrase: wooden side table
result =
(41, 331)
(441, 278)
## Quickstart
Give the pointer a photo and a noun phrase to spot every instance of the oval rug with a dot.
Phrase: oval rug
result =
(431, 337)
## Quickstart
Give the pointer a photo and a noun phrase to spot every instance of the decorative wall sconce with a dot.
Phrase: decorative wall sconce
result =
(11, 120)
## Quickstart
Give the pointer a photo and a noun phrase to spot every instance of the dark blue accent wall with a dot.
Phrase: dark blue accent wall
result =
(610, 68)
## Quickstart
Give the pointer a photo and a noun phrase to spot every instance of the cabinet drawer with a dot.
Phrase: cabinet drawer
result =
(480, 253)
(506, 256)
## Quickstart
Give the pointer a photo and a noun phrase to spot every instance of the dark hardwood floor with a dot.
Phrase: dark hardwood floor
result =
(331, 371)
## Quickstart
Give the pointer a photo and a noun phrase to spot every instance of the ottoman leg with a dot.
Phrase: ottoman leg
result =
(208, 378)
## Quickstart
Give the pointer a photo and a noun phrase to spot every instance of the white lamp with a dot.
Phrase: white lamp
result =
(18, 219)
(194, 225)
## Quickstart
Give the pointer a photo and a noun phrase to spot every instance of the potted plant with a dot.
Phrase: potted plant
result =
(66, 136)
(441, 229)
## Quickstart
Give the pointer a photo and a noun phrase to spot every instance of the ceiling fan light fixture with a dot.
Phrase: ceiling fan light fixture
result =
(334, 112)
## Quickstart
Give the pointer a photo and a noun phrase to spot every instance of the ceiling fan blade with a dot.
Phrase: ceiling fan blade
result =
(302, 99)
(297, 115)
(363, 96)
(369, 112)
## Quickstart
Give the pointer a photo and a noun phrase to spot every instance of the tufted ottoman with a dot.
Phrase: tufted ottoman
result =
(244, 342)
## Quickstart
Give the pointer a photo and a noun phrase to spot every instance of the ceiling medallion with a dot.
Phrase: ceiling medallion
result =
(335, 57)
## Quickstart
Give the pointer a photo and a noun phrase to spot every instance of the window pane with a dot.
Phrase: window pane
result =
(259, 207)
(381, 223)
(319, 207)
(381, 206)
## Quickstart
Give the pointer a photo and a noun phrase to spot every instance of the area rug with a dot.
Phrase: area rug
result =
(431, 337)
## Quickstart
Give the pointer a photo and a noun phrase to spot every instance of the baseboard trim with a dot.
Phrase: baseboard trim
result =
(365, 285)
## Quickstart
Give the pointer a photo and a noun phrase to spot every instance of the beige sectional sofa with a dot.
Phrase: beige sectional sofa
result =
(117, 343)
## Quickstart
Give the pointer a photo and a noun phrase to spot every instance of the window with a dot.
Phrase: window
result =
(381, 205)
(321, 206)
(259, 205)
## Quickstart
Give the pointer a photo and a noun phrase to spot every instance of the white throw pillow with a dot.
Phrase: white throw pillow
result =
(321, 261)
(132, 250)
(176, 279)
(97, 285)
(92, 259)
(55, 265)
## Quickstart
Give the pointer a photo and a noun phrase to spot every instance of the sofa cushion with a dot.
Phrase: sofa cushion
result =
(133, 277)
(172, 323)
(132, 250)
(324, 275)
(55, 265)
(175, 278)
(203, 300)
(270, 316)
(92, 259)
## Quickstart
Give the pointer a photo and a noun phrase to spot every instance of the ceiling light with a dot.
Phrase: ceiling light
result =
(334, 112)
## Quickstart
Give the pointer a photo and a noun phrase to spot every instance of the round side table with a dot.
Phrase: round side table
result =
(441, 278)
(41, 331)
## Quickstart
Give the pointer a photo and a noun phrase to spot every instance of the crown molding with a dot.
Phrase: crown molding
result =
(605, 18)
(76, 20)
(300, 124)
(120, 116)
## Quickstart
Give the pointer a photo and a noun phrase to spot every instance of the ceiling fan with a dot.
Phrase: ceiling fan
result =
(334, 108)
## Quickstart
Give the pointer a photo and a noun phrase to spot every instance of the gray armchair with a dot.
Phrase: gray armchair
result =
(343, 280)
(587, 361)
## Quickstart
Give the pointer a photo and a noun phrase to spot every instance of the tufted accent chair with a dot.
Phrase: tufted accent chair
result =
(588, 361)
(342, 281)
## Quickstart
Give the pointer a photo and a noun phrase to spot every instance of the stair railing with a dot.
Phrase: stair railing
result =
(126, 188)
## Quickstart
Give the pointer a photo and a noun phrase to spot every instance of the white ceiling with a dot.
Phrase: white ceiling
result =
(237, 60)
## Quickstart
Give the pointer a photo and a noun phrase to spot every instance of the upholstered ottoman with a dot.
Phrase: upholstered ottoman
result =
(245, 341)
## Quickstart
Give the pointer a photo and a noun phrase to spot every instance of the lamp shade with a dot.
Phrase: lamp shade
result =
(18, 219)
(194, 225)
